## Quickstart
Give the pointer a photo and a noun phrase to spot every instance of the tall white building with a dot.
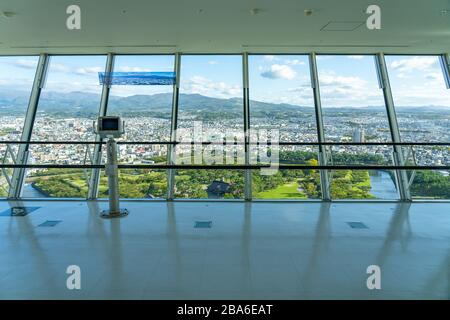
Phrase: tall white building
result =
(358, 135)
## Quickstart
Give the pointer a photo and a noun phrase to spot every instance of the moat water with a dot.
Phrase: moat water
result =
(382, 186)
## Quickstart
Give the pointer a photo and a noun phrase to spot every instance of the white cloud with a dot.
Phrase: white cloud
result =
(269, 58)
(436, 76)
(356, 57)
(294, 62)
(301, 94)
(331, 79)
(89, 70)
(71, 86)
(27, 64)
(126, 91)
(410, 64)
(322, 58)
(418, 81)
(13, 83)
(132, 69)
(279, 71)
(58, 67)
(349, 91)
(212, 62)
(432, 93)
(430, 90)
(207, 87)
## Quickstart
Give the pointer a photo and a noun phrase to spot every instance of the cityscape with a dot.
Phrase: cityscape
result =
(340, 125)
(281, 100)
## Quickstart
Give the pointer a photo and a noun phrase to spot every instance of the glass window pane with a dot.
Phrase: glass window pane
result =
(210, 103)
(422, 104)
(137, 184)
(68, 105)
(16, 81)
(363, 184)
(429, 184)
(422, 101)
(281, 99)
(281, 96)
(289, 184)
(146, 110)
(354, 111)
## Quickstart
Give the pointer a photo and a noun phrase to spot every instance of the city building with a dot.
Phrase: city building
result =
(358, 135)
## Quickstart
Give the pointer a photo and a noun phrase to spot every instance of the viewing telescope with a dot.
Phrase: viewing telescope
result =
(110, 127)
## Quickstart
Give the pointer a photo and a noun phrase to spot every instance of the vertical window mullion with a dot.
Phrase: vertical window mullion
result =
(173, 128)
(97, 153)
(399, 160)
(18, 177)
(324, 174)
(246, 115)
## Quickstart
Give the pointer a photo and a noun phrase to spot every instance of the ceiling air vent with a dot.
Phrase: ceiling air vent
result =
(93, 46)
(203, 224)
(49, 223)
(18, 211)
(342, 25)
(357, 225)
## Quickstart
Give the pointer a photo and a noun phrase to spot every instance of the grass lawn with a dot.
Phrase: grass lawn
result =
(3, 186)
(288, 190)
(77, 181)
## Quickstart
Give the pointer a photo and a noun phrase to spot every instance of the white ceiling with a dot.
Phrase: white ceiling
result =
(225, 26)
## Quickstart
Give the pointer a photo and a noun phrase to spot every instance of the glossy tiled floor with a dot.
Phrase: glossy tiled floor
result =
(252, 251)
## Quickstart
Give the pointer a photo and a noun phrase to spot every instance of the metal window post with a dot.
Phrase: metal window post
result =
(323, 160)
(445, 64)
(18, 176)
(398, 156)
(97, 154)
(246, 104)
(173, 129)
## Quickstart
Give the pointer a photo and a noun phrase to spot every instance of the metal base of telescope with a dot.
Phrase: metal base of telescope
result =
(107, 214)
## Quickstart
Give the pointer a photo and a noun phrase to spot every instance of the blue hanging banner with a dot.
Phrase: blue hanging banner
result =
(137, 78)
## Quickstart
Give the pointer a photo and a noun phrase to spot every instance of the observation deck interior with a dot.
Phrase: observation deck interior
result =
(353, 121)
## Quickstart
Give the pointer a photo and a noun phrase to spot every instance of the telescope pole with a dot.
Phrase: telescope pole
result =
(112, 172)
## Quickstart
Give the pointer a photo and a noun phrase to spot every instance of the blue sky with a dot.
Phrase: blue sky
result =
(344, 80)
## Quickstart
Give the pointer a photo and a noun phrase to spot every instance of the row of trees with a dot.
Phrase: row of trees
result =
(431, 184)
(346, 184)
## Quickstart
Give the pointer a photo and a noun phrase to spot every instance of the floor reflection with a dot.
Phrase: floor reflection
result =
(399, 229)
(292, 251)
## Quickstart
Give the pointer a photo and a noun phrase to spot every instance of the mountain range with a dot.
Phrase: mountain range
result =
(86, 104)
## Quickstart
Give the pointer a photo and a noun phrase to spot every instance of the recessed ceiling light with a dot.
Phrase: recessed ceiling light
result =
(308, 12)
(7, 14)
